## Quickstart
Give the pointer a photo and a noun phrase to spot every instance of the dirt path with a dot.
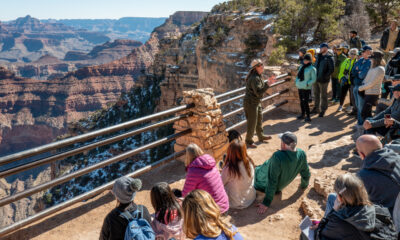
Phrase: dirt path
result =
(327, 142)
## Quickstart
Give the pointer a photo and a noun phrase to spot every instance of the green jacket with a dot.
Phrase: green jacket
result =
(279, 171)
(338, 62)
(310, 77)
(348, 65)
(255, 89)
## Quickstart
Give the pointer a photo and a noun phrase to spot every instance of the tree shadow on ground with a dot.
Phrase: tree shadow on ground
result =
(333, 156)
(248, 216)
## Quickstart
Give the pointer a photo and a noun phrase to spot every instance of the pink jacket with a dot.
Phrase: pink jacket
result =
(202, 174)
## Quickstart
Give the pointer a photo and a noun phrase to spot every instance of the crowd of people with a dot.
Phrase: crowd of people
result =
(365, 205)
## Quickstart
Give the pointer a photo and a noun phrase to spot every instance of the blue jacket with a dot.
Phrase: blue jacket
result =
(310, 77)
(237, 236)
(360, 70)
(380, 173)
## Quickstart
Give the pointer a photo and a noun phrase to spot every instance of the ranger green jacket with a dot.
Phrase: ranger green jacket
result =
(279, 171)
(255, 89)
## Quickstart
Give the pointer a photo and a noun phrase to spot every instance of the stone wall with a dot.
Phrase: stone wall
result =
(208, 129)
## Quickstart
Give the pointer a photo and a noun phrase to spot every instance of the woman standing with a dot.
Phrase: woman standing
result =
(238, 176)
(202, 219)
(345, 78)
(372, 84)
(306, 77)
(203, 174)
(255, 89)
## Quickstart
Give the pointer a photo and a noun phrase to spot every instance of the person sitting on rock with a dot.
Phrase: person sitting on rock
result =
(386, 123)
(202, 173)
(115, 224)
(380, 171)
(203, 220)
(281, 169)
(350, 215)
(168, 219)
(238, 176)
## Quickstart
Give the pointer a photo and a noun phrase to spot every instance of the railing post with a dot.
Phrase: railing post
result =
(208, 129)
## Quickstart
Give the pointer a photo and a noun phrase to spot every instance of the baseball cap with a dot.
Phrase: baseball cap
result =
(396, 88)
(324, 45)
(289, 137)
(366, 47)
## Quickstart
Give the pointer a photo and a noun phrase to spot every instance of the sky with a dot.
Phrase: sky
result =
(95, 9)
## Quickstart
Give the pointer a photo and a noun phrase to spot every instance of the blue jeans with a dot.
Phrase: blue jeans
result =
(359, 101)
(330, 203)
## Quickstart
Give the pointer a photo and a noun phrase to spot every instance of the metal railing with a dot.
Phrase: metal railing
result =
(112, 129)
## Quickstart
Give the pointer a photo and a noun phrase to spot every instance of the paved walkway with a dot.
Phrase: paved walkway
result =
(327, 142)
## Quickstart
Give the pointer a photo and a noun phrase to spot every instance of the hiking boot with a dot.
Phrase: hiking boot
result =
(314, 111)
(264, 138)
(340, 108)
(321, 114)
(307, 119)
(300, 117)
(252, 145)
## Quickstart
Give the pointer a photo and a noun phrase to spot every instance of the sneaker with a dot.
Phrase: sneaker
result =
(300, 117)
(321, 114)
(314, 111)
(307, 119)
(340, 108)
(349, 109)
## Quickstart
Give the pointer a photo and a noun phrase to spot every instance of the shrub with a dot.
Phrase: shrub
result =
(277, 56)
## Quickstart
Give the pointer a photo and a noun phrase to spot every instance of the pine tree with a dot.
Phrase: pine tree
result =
(356, 18)
(381, 10)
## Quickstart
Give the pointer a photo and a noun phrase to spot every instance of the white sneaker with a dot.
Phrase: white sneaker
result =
(349, 109)
(340, 109)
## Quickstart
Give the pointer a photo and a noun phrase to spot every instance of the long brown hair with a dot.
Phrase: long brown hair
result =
(352, 190)
(237, 152)
(202, 216)
(164, 203)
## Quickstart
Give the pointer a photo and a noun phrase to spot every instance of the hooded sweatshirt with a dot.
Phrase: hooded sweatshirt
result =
(202, 174)
(355, 223)
(380, 173)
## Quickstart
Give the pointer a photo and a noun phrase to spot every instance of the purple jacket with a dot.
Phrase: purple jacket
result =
(202, 174)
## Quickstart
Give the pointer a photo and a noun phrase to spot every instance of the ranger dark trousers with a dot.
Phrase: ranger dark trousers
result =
(254, 118)
(304, 97)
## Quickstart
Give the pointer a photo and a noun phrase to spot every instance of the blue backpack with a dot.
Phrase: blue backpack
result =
(138, 227)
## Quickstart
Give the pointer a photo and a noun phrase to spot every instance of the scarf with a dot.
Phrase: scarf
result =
(300, 75)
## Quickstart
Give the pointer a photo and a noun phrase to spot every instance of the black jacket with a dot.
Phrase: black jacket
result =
(357, 223)
(355, 43)
(385, 38)
(114, 226)
(380, 173)
(393, 66)
(325, 67)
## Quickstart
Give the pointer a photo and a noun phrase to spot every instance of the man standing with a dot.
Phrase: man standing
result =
(339, 59)
(380, 171)
(325, 67)
(390, 39)
(281, 169)
(359, 72)
(355, 41)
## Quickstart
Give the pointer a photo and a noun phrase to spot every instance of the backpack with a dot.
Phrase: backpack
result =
(138, 227)
(384, 226)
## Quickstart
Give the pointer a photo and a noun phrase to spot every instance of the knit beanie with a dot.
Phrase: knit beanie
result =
(125, 189)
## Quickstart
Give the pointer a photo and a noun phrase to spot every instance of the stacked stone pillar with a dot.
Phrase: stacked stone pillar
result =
(206, 122)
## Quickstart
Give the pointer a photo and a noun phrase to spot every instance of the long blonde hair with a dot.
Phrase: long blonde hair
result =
(352, 190)
(192, 152)
(203, 217)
